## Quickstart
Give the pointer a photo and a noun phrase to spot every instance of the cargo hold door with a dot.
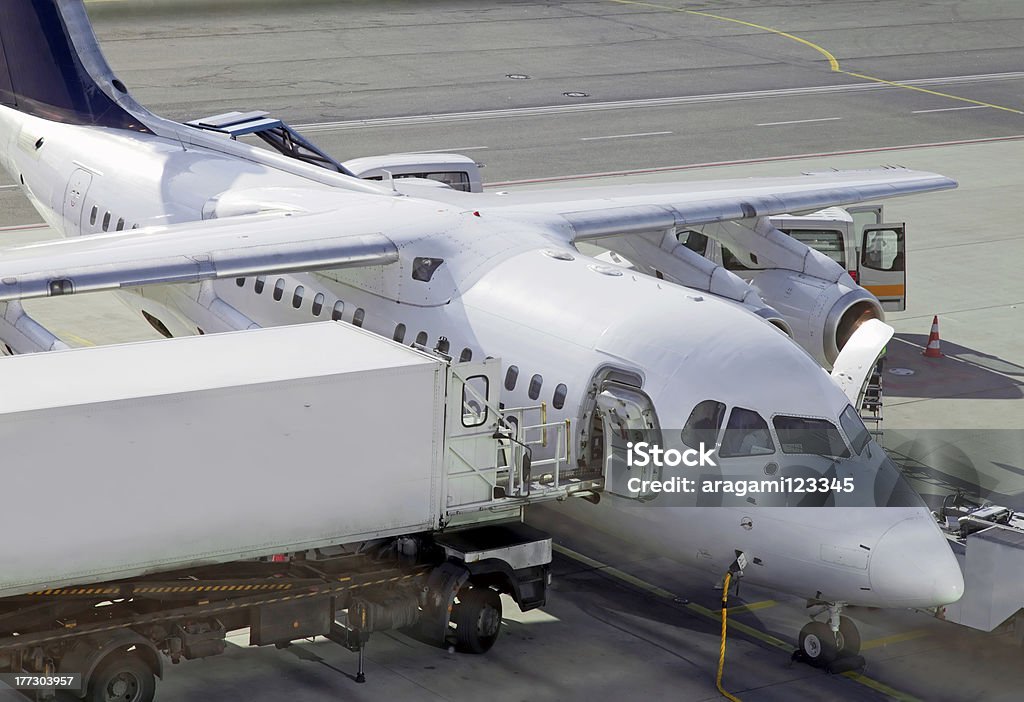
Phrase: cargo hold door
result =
(883, 264)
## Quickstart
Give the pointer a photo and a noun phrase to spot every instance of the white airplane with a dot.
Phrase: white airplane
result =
(202, 232)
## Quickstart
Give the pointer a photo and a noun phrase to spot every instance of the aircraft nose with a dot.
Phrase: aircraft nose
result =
(913, 566)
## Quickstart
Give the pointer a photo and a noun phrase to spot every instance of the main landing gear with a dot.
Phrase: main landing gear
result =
(833, 645)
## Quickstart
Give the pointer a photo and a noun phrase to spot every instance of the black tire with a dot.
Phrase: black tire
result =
(477, 619)
(122, 677)
(818, 643)
(849, 637)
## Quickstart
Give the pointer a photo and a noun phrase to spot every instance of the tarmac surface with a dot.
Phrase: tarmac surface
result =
(664, 88)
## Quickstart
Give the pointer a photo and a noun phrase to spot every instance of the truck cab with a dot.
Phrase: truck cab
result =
(872, 251)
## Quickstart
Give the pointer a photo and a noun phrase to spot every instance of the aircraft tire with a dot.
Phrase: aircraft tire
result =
(849, 637)
(818, 643)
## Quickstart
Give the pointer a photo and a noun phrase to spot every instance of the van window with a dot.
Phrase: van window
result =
(818, 437)
(694, 241)
(883, 251)
(399, 334)
(511, 376)
(704, 423)
(339, 309)
(827, 241)
(297, 296)
(746, 434)
(731, 261)
(318, 304)
(279, 289)
(535, 384)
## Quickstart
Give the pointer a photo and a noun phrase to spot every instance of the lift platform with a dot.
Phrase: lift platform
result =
(274, 132)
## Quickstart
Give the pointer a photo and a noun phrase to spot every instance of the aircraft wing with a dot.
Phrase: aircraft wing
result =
(593, 213)
(183, 253)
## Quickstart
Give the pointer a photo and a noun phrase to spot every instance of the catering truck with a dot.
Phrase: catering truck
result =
(301, 481)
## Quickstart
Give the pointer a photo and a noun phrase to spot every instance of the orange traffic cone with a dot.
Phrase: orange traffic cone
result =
(933, 350)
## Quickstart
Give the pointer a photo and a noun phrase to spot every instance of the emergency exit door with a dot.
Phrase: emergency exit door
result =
(74, 201)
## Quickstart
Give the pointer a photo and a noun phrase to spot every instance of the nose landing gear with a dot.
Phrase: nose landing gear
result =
(832, 645)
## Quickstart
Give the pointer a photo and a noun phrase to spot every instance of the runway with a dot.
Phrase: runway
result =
(553, 90)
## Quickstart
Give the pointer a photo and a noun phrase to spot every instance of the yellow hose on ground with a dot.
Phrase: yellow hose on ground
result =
(721, 650)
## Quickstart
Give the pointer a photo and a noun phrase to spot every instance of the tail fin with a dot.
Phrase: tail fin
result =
(51, 66)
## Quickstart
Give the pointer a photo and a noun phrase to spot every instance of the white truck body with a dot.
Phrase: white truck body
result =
(127, 460)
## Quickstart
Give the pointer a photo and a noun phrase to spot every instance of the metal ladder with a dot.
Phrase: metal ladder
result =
(871, 405)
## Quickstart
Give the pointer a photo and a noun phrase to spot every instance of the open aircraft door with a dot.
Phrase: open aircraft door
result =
(627, 415)
(853, 367)
(883, 269)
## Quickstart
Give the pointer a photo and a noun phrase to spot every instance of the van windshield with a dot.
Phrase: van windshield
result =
(827, 241)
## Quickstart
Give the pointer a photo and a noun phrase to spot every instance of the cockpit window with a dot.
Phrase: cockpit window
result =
(703, 425)
(855, 430)
(818, 437)
(746, 434)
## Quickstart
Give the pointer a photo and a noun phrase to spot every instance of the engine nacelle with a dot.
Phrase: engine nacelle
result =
(822, 315)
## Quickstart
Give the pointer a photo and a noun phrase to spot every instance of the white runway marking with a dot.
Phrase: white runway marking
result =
(950, 109)
(644, 103)
(623, 136)
(798, 121)
(452, 149)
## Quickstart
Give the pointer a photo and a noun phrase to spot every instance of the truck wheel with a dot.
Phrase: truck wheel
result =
(477, 619)
(122, 677)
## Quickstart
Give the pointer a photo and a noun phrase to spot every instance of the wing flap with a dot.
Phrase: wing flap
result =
(187, 253)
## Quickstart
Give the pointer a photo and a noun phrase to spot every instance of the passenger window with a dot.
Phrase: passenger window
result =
(535, 384)
(339, 309)
(883, 251)
(120, 224)
(558, 401)
(827, 241)
(694, 241)
(297, 296)
(856, 432)
(703, 425)
(511, 376)
(466, 356)
(746, 434)
(442, 345)
(358, 316)
(318, 304)
(474, 401)
(421, 339)
(240, 282)
(92, 215)
(279, 289)
(818, 437)
(257, 286)
(399, 334)
(106, 221)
